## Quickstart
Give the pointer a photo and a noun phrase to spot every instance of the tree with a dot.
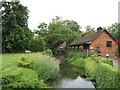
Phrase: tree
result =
(57, 32)
(114, 30)
(73, 25)
(60, 31)
(16, 35)
(37, 44)
(89, 30)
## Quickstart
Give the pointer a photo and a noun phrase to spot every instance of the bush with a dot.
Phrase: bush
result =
(74, 55)
(24, 62)
(48, 52)
(76, 59)
(21, 78)
(37, 44)
(47, 67)
(99, 59)
(90, 68)
(107, 76)
(78, 63)
(36, 84)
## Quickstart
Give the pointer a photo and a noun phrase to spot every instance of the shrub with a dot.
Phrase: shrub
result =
(35, 84)
(105, 60)
(79, 62)
(21, 78)
(24, 62)
(90, 68)
(74, 55)
(107, 76)
(76, 59)
(48, 52)
(99, 59)
(46, 67)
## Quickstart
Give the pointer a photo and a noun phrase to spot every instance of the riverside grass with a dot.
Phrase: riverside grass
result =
(97, 69)
(14, 76)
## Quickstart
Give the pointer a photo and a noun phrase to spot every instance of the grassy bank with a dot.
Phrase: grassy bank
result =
(28, 70)
(97, 69)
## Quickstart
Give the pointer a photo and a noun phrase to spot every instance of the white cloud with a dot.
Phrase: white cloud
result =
(85, 12)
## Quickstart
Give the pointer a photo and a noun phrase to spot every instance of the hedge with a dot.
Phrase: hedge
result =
(106, 76)
(21, 78)
(78, 63)
(90, 68)
(76, 59)
(99, 59)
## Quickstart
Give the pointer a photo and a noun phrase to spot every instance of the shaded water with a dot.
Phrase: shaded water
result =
(71, 77)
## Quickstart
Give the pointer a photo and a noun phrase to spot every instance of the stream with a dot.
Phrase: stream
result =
(71, 77)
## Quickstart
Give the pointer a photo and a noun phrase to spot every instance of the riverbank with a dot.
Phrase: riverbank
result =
(70, 77)
(98, 69)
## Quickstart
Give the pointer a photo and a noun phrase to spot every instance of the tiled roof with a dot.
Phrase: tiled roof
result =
(87, 39)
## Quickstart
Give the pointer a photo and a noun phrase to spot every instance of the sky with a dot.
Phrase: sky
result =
(86, 12)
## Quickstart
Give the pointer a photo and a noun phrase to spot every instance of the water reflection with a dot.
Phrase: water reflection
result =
(71, 77)
(79, 82)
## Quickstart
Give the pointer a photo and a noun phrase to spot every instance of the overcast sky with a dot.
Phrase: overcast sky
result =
(86, 12)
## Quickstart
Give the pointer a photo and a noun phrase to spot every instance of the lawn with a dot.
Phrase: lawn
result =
(12, 73)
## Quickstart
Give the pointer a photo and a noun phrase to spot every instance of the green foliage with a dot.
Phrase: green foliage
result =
(76, 59)
(58, 31)
(78, 63)
(89, 30)
(114, 30)
(107, 76)
(24, 62)
(46, 67)
(90, 68)
(37, 44)
(99, 59)
(48, 52)
(14, 76)
(35, 84)
(74, 55)
(21, 78)
(15, 33)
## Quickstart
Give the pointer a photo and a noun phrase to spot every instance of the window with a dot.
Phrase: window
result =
(109, 44)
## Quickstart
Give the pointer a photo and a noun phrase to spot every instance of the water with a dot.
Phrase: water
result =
(79, 82)
(71, 77)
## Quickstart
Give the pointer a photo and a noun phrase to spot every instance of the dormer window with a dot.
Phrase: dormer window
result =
(109, 44)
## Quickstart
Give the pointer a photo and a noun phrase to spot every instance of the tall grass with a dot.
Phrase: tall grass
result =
(15, 76)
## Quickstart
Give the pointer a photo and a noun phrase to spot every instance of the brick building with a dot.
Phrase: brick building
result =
(100, 42)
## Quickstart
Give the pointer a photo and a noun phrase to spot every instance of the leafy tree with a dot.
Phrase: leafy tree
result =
(16, 35)
(89, 30)
(114, 29)
(37, 44)
(58, 31)
(73, 25)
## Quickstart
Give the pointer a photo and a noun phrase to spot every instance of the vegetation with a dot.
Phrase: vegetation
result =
(99, 59)
(46, 67)
(48, 52)
(97, 69)
(76, 59)
(16, 35)
(28, 70)
(107, 76)
(31, 70)
(90, 68)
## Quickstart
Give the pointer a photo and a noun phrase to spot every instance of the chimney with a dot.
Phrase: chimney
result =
(99, 29)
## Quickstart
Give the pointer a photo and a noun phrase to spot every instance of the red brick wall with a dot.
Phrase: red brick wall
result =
(101, 42)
